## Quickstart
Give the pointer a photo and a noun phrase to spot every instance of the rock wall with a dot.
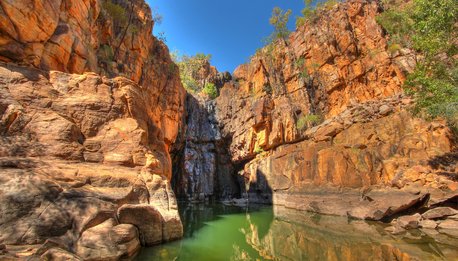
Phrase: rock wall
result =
(204, 170)
(320, 123)
(90, 107)
(326, 66)
(88, 36)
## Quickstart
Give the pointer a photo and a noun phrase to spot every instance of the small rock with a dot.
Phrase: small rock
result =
(395, 230)
(409, 222)
(2, 247)
(454, 217)
(439, 212)
(428, 224)
(449, 224)
(385, 109)
(449, 227)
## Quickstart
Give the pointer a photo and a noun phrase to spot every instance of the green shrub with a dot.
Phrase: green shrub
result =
(398, 24)
(279, 20)
(305, 121)
(117, 12)
(210, 90)
(189, 67)
(106, 53)
(430, 28)
(267, 88)
(393, 48)
(258, 150)
(310, 12)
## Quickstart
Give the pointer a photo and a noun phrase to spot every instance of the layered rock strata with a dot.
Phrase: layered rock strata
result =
(203, 170)
(318, 122)
(85, 155)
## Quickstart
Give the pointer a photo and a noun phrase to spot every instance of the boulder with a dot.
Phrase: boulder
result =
(439, 213)
(409, 222)
(431, 224)
(147, 219)
(449, 227)
(385, 109)
(108, 241)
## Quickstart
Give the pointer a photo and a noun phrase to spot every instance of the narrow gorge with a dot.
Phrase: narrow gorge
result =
(103, 147)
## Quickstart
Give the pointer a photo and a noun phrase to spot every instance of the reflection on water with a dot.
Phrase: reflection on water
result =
(218, 232)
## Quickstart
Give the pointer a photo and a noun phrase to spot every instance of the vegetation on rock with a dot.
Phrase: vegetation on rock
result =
(309, 13)
(210, 90)
(305, 121)
(190, 72)
(430, 28)
(117, 12)
(279, 20)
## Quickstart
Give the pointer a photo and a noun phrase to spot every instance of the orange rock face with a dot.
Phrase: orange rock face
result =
(326, 66)
(91, 126)
(320, 123)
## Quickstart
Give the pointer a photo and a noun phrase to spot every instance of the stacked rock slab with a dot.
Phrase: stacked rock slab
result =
(83, 151)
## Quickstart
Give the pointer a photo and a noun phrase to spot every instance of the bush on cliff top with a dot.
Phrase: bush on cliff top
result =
(309, 13)
(279, 20)
(190, 67)
(429, 27)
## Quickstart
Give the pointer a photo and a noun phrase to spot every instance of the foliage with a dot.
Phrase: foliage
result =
(117, 12)
(309, 13)
(106, 53)
(258, 150)
(210, 90)
(303, 71)
(430, 28)
(161, 37)
(133, 29)
(279, 20)
(305, 121)
(267, 88)
(190, 67)
(398, 24)
(157, 18)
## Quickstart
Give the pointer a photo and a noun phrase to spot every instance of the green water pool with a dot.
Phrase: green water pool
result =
(219, 232)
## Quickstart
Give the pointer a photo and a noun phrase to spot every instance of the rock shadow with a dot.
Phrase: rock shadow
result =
(256, 188)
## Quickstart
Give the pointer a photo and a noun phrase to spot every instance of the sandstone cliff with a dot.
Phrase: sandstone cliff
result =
(320, 122)
(85, 154)
(203, 168)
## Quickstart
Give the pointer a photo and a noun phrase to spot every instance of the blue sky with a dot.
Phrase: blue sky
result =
(229, 30)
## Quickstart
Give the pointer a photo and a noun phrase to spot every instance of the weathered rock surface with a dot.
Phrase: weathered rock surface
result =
(325, 67)
(108, 241)
(83, 36)
(370, 169)
(80, 36)
(438, 213)
(204, 169)
(74, 149)
(320, 123)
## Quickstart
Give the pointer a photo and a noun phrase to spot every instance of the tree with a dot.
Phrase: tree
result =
(429, 27)
(279, 20)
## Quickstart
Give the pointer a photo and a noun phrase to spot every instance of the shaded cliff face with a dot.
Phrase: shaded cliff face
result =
(202, 167)
(92, 152)
(320, 123)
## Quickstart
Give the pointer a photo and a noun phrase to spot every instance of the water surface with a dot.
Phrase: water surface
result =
(218, 232)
